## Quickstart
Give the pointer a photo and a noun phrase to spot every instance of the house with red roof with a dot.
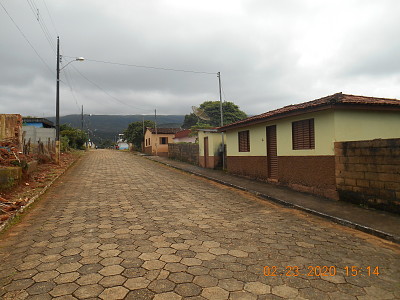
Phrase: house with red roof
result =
(294, 145)
(156, 140)
(183, 136)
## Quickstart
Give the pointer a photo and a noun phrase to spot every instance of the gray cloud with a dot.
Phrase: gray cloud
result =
(270, 53)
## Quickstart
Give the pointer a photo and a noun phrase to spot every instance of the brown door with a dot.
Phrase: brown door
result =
(272, 153)
(205, 151)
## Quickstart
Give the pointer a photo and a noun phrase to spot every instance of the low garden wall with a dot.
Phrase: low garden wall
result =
(368, 173)
(187, 152)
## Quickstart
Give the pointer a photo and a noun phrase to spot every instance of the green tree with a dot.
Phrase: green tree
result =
(231, 112)
(76, 137)
(134, 133)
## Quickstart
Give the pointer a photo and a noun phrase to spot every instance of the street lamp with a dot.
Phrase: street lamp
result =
(58, 145)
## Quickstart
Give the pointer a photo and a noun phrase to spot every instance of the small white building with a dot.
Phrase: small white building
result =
(122, 144)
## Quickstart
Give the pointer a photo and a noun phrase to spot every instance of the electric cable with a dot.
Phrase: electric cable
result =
(24, 36)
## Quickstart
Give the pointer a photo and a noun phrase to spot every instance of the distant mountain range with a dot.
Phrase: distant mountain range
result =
(107, 127)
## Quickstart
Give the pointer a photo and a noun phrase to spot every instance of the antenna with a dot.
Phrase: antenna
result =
(200, 113)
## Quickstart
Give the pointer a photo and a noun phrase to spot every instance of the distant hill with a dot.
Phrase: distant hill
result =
(107, 127)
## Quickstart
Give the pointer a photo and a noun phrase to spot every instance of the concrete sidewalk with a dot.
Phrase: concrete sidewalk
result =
(378, 223)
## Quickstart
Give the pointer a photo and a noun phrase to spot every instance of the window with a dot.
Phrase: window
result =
(244, 141)
(303, 134)
(163, 140)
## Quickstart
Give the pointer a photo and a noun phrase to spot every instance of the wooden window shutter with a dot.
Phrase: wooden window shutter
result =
(303, 136)
(244, 141)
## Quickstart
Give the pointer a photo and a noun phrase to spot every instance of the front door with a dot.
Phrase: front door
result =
(272, 153)
(205, 151)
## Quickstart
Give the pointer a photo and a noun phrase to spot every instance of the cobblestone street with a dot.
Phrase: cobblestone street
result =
(118, 226)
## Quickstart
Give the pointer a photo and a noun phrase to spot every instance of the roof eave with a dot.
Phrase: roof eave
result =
(359, 106)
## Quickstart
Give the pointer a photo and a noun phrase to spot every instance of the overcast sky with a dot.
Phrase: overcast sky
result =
(270, 53)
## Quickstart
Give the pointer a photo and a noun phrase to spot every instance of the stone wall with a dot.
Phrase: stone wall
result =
(186, 152)
(368, 173)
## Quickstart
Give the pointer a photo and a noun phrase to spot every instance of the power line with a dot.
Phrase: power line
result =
(42, 24)
(147, 67)
(51, 18)
(104, 91)
(30, 44)
(69, 83)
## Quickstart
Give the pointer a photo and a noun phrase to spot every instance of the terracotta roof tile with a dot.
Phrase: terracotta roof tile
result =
(183, 133)
(328, 101)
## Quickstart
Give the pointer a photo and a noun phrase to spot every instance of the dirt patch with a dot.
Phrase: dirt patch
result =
(18, 196)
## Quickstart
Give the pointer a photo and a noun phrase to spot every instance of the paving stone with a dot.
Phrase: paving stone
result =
(169, 258)
(21, 284)
(111, 270)
(167, 296)
(231, 284)
(137, 283)
(238, 253)
(90, 268)
(63, 289)
(153, 264)
(16, 295)
(175, 267)
(284, 291)
(180, 277)
(188, 289)
(205, 256)
(45, 276)
(149, 256)
(117, 292)
(191, 261)
(142, 294)
(215, 293)
(161, 286)
(40, 288)
(242, 295)
(89, 279)
(89, 291)
(257, 288)
(205, 280)
(70, 267)
(139, 238)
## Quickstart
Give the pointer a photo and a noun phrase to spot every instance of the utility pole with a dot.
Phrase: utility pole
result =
(155, 122)
(143, 139)
(58, 145)
(82, 119)
(222, 120)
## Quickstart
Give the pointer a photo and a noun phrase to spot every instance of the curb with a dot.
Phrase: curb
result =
(34, 198)
(344, 222)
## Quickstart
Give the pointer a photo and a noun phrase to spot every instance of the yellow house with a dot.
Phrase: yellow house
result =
(210, 142)
(156, 141)
(294, 145)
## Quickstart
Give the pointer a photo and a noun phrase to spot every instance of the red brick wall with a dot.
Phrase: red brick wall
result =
(311, 174)
(368, 173)
(251, 166)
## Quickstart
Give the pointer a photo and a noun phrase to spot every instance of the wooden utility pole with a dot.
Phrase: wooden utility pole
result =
(222, 120)
(58, 145)
(82, 119)
(155, 122)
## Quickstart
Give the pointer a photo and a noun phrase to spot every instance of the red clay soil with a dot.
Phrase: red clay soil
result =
(12, 199)
(11, 156)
